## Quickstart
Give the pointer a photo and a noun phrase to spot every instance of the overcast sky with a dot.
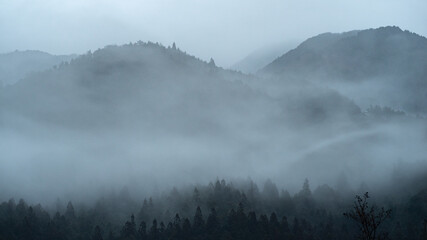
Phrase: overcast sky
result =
(223, 29)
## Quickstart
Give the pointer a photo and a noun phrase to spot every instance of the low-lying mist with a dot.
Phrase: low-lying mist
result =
(151, 118)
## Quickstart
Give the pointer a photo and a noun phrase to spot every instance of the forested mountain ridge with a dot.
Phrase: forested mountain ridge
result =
(147, 104)
(384, 66)
(154, 103)
(127, 82)
(355, 55)
(131, 79)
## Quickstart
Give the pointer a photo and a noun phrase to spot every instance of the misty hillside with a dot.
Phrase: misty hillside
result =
(385, 66)
(146, 83)
(262, 57)
(18, 64)
(270, 120)
(148, 116)
(144, 104)
(139, 84)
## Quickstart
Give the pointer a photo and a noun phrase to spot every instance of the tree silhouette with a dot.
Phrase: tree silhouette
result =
(196, 197)
(186, 229)
(212, 224)
(368, 218)
(212, 63)
(97, 235)
(154, 231)
(129, 229)
(274, 228)
(424, 236)
(198, 223)
(69, 213)
(142, 231)
(284, 228)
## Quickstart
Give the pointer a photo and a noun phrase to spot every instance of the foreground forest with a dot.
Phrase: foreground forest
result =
(222, 210)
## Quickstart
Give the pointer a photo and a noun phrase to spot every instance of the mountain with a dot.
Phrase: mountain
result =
(384, 66)
(163, 86)
(120, 85)
(150, 112)
(18, 64)
(261, 57)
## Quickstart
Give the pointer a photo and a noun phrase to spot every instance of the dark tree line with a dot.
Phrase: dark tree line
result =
(221, 210)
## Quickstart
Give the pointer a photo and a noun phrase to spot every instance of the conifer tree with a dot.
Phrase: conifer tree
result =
(252, 226)
(97, 235)
(69, 213)
(212, 223)
(274, 227)
(196, 197)
(212, 63)
(142, 230)
(198, 223)
(263, 226)
(154, 231)
(186, 229)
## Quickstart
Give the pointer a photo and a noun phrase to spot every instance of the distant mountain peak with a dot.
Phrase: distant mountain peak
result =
(390, 55)
(18, 64)
(321, 52)
(143, 53)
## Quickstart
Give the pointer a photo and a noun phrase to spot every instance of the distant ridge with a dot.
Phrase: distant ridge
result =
(386, 56)
(135, 81)
(261, 57)
(332, 53)
(18, 64)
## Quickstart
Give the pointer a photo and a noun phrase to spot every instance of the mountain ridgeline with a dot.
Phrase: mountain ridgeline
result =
(384, 66)
(124, 84)
(131, 82)
(17, 65)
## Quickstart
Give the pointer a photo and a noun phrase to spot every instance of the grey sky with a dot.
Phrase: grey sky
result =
(223, 29)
